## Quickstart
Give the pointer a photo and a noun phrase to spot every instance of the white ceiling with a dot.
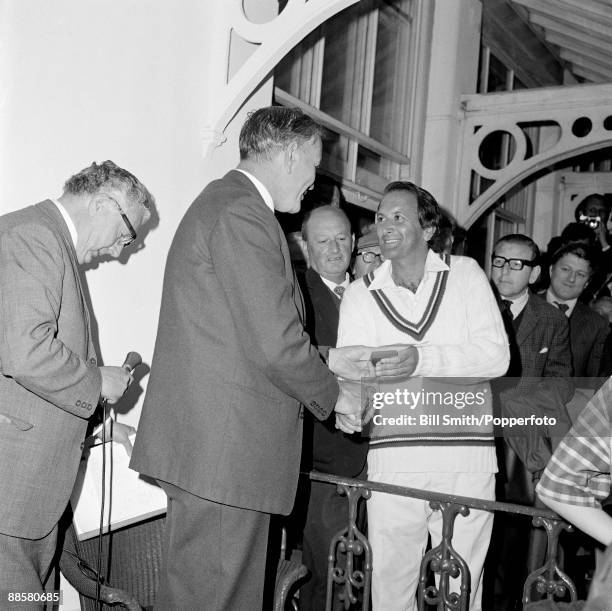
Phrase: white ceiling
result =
(578, 32)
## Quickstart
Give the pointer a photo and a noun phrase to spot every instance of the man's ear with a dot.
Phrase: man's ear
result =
(535, 274)
(97, 202)
(352, 242)
(428, 233)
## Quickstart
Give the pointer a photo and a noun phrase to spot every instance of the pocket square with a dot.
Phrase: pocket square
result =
(544, 350)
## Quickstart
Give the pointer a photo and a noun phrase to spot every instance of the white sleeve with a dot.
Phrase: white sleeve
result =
(354, 328)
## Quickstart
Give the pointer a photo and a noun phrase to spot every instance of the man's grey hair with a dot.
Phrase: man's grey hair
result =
(97, 176)
(269, 129)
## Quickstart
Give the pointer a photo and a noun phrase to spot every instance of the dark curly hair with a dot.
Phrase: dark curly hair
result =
(428, 209)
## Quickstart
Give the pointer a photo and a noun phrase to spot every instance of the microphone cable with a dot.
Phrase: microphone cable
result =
(132, 360)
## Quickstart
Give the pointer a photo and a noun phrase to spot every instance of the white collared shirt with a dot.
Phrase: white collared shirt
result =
(518, 305)
(71, 226)
(332, 285)
(554, 300)
(261, 188)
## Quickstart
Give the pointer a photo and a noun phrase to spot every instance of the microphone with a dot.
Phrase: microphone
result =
(132, 360)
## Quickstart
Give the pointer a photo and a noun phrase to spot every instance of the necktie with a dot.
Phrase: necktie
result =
(506, 303)
(339, 290)
(562, 306)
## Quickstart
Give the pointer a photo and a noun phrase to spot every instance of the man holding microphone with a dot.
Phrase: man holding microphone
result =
(50, 382)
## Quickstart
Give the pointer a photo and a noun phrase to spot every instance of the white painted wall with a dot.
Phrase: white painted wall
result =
(453, 72)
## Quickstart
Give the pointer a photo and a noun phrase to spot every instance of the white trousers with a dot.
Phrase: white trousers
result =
(398, 528)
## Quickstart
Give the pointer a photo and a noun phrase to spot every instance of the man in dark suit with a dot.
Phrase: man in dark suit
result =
(541, 337)
(327, 233)
(221, 426)
(50, 382)
(571, 269)
(538, 384)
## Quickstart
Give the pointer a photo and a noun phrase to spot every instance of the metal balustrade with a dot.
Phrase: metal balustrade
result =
(353, 578)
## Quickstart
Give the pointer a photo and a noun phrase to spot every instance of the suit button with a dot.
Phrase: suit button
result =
(78, 403)
(92, 361)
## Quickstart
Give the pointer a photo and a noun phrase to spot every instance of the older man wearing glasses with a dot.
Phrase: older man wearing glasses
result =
(50, 383)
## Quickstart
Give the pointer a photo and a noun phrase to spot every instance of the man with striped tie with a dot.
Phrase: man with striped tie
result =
(326, 231)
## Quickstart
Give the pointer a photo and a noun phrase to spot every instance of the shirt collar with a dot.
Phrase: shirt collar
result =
(518, 304)
(263, 191)
(332, 285)
(384, 280)
(69, 222)
(554, 300)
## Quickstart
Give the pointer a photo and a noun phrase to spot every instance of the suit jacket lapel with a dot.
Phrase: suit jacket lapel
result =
(325, 304)
(50, 210)
(326, 298)
(528, 322)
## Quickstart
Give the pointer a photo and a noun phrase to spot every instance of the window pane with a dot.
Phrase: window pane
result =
(370, 170)
(294, 73)
(342, 82)
(390, 93)
(498, 75)
(335, 154)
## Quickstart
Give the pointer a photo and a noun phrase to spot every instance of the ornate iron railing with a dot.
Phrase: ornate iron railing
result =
(353, 578)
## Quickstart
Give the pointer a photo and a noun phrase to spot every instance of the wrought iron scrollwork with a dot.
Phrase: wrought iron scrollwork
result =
(354, 548)
(446, 564)
(550, 579)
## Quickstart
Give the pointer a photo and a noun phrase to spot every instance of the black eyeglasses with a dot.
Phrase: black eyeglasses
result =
(514, 264)
(127, 239)
(369, 257)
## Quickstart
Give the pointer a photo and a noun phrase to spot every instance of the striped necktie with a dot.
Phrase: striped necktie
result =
(562, 306)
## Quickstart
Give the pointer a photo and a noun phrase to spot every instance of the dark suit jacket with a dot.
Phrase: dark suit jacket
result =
(544, 346)
(544, 386)
(588, 333)
(325, 447)
(232, 363)
(50, 383)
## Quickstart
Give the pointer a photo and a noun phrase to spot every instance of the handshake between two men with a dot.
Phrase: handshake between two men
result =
(355, 364)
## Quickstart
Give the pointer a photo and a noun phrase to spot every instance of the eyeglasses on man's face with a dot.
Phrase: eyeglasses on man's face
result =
(514, 264)
(369, 257)
(125, 240)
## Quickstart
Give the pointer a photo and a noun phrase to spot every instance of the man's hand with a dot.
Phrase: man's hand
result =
(115, 381)
(402, 365)
(351, 362)
(348, 408)
(119, 433)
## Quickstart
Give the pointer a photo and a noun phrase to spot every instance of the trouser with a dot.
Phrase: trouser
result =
(24, 568)
(214, 555)
(398, 528)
